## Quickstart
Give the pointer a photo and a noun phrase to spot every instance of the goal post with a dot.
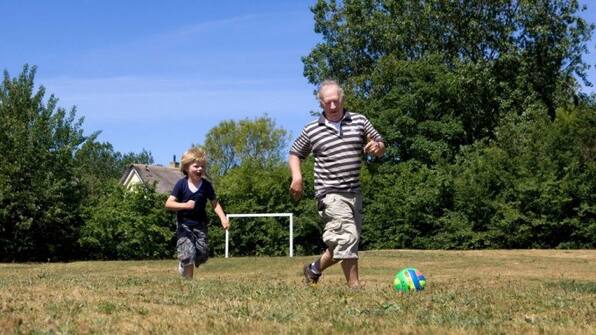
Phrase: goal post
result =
(257, 215)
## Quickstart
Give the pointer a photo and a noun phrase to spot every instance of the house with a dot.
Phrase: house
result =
(164, 177)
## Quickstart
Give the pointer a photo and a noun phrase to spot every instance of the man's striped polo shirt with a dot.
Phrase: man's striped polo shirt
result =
(338, 155)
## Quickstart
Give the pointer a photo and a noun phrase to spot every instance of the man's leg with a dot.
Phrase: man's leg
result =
(313, 271)
(350, 268)
(350, 265)
(343, 232)
(326, 260)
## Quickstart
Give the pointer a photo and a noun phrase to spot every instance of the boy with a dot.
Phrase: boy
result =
(188, 199)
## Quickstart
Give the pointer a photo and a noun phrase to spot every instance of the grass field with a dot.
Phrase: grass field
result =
(468, 292)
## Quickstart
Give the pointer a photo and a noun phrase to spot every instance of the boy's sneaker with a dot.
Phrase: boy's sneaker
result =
(309, 276)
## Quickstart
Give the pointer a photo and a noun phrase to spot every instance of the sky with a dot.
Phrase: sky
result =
(158, 75)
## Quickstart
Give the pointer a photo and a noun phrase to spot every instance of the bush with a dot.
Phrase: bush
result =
(129, 225)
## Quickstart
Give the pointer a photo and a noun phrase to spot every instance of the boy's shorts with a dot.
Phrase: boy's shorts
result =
(342, 214)
(192, 244)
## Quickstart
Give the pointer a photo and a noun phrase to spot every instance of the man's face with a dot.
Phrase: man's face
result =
(331, 103)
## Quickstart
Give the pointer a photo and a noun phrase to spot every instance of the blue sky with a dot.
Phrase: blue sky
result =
(157, 75)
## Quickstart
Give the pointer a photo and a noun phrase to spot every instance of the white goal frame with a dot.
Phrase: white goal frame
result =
(290, 215)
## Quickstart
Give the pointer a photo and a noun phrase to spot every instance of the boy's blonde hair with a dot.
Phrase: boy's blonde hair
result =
(192, 155)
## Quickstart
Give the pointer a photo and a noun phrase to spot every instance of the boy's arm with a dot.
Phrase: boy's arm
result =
(296, 186)
(225, 223)
(175, 206)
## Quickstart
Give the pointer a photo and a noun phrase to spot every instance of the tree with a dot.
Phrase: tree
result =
(40, 192)
(128, 224)
(99, 165)
(468, 95)
(247, 159)
(51, 175)
(487, 58)
(249, 188)
(232, 142)
(534, 186)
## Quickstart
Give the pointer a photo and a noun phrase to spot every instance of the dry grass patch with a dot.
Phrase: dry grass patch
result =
(483, 292)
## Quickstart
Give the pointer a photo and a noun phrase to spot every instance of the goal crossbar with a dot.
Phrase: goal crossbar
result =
(254, 215)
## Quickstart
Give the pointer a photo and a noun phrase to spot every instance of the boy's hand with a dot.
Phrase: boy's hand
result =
(190, 204)
(225, 223)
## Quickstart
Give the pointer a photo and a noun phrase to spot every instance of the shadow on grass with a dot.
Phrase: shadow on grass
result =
(575, 286)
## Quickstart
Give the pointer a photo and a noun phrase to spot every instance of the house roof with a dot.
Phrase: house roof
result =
(164, 177)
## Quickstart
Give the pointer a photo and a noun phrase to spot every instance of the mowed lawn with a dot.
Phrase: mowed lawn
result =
(468, 292)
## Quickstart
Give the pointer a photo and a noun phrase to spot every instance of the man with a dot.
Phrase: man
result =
(337, 140)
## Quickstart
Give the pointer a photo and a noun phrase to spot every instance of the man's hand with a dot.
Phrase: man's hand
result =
(296, 185)
(374, 148)
(296, 188)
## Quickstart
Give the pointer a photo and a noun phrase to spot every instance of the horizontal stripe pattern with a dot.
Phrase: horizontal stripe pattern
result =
(338, 156)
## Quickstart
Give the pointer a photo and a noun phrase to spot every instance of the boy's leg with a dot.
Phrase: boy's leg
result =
(188, 272)
(201, 245)
(185, 250)
(192, 248)
(201, 249)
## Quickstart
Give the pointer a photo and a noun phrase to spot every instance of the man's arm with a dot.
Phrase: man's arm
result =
(296, 186)
(376, 148)
(376, 143)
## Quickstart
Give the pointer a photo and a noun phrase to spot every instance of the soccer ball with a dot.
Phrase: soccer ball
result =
(408, 280)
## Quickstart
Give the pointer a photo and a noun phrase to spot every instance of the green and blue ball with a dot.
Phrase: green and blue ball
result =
(409, 280)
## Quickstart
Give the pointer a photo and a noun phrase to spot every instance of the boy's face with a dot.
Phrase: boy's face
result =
(196, 169)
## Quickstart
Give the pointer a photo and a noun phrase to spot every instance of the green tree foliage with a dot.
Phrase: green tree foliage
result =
(438, 74)
(402, 203)
(99, 165)
(40, 192)
(249, 188)
(251, 176)
(51, 175)
(129, 225)
(546, 36)
(489, 143)
(231, 143)
(479, 104)
(533, 186)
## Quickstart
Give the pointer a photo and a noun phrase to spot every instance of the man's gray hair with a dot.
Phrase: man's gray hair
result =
(330, 82)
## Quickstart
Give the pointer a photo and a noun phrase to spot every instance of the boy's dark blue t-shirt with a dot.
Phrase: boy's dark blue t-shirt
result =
(182, 192)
